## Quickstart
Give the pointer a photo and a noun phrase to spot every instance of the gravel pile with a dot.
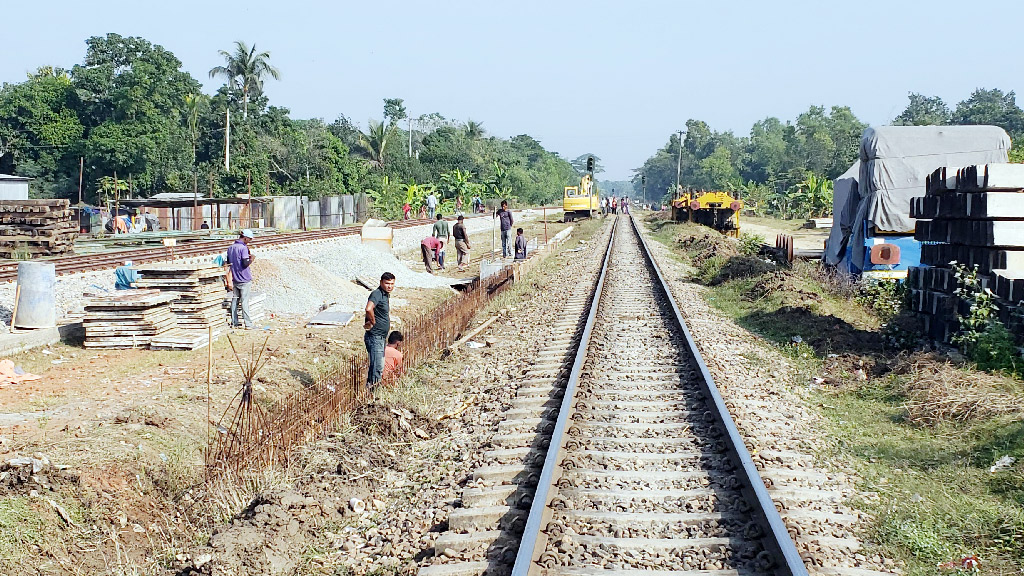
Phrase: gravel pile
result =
(297, 278)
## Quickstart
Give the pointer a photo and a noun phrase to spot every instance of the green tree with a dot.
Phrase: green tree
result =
(475, 130)
(133, 100)
(244, 71)
(992, 107)
(374, 142)
(924, 111)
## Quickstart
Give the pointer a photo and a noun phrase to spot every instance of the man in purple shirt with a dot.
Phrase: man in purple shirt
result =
(239, 277)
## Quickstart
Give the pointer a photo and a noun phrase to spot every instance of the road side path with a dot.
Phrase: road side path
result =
(764, 394)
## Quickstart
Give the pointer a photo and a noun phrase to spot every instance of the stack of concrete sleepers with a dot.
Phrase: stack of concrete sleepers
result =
(36, 228)
(127, 318)
(197, 290)
(974, 216)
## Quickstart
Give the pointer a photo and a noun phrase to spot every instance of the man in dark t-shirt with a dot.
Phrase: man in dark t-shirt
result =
(377, 323)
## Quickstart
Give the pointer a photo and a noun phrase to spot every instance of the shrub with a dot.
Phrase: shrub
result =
(750, 244)
(886, 298)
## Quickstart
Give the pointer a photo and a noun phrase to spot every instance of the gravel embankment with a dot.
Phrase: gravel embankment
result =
(768, 401)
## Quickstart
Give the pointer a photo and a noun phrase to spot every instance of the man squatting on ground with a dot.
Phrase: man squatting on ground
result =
(461, 243)
(429, 249)
(239, 277)
(393, 357)
(442, 233)
(505, 218)
(377, 323)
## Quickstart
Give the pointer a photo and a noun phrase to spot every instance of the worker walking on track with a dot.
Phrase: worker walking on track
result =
(239, 277)
(461, 243)
(377, 323)
(504, 216)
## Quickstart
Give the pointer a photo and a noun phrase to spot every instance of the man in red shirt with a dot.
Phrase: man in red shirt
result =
(429, 248)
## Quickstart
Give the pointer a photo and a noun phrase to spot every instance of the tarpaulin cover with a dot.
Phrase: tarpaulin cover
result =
(844, 208)
(895, 160)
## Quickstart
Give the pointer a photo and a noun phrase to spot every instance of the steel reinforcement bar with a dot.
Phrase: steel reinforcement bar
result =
(249, 437)
(777, 539)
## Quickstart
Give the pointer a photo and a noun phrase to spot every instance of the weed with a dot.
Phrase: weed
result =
(886, 298)
(750, 244)
(982, 337)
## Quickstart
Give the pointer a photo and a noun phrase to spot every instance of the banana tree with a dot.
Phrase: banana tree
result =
(812, 197)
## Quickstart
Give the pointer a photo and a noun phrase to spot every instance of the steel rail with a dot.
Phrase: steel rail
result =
(780, 540)
(536, 519)
(74, 264)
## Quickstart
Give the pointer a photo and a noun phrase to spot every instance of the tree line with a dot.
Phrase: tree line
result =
(786, 168)
(130, 111)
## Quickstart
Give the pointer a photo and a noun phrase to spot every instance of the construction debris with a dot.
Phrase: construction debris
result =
(30, 228)
(126, 318)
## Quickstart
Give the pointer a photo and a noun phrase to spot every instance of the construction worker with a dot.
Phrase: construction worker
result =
(377, 323)
(239, 277)
(429, 248)
(442, 233)
(393, 357)
(504, 216)
(461, 243)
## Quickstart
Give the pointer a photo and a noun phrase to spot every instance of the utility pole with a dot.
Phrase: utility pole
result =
(81, 171)
(227, 140)
(410, 136)
(679, 161)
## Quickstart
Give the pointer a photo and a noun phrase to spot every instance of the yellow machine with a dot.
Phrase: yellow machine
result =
(581, 201)
(716, 210)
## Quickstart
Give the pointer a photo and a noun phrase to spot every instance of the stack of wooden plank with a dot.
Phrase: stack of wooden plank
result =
(257, 307)
(198, 290)
(974, 216)
(127, 318)
(30, 228)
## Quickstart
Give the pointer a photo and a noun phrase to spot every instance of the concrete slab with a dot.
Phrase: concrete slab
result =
(24, 340)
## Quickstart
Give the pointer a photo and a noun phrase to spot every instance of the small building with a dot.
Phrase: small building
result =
(13, 187)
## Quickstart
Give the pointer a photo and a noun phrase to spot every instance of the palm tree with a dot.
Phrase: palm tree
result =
(245, 70)
(375, 141)
(475, 130)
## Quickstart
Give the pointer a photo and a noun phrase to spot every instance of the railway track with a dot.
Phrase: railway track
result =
(618, 454)
(89, 262)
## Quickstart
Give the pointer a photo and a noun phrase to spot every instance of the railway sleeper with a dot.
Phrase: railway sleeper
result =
(513, 495)
(466, 520)
(502, 543)
(599, 571)
(521, 439)
(507, 474)
(526, 456)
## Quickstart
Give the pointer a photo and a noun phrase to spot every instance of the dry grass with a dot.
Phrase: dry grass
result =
(937, 391)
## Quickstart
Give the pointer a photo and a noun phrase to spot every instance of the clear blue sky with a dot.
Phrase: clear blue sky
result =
(609, 77)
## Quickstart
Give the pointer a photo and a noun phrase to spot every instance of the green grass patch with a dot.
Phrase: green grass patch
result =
(923, 438)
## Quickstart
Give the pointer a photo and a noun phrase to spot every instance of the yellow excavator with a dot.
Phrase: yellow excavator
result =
(581, 201)
(717, 210)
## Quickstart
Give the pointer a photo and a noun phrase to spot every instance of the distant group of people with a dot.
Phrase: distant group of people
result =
(431, 204)
(611, 205)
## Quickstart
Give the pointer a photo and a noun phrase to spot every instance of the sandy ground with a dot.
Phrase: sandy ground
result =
(769, 228)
